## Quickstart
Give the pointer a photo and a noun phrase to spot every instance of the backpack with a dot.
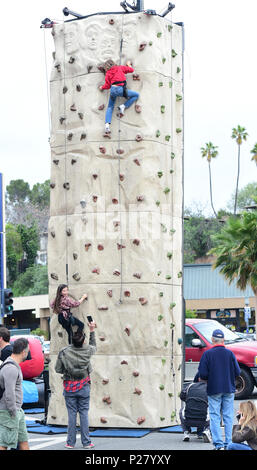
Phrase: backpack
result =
(2, 389)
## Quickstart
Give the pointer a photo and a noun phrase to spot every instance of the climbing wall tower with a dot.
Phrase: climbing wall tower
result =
(115, 228)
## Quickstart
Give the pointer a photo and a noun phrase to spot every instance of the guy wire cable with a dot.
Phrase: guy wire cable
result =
(47, 86)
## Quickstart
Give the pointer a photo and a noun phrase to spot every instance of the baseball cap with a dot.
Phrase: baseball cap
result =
(217, 334)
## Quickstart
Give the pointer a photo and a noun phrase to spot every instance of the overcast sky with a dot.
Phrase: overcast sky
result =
(220, 89)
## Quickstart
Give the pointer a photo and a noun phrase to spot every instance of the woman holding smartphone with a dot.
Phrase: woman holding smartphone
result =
(62, 304)
(244, 435)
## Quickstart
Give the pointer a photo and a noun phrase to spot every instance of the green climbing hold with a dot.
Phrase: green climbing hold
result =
(173, 53)
(166, 190)
(162, 109)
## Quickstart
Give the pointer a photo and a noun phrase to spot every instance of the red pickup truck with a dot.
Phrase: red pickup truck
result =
(198, 334)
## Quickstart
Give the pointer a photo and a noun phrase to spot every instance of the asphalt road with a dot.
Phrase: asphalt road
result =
(154, 441)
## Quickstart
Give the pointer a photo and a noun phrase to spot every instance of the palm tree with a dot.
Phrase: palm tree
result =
(210, 151)
(254, 152)
(236, 252)
(239, 133)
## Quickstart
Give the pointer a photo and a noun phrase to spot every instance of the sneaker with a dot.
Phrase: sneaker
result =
(68, 446)
(107, 128)
(89, 446)
(206, 435)
(218, 448)
(186, 436)
(121, 109)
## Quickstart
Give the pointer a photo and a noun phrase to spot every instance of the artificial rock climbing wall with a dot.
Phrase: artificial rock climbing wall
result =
(115, 226)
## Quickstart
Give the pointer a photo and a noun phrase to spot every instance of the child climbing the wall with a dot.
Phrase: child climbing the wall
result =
(115, 79)
(62, 304)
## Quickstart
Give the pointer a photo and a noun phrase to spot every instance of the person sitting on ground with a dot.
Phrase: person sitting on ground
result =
(74, 363)
(246, 429)
(62, 304)
(195, 411)
(115, 79)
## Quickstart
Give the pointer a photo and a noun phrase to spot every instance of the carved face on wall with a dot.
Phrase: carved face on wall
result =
(109, 47)
(92, 35)
(70, 38)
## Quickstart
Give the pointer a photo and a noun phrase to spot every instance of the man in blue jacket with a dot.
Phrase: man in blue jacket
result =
(219, 368)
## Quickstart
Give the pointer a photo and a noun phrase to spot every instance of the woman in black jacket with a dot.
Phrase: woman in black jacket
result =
(246, 429)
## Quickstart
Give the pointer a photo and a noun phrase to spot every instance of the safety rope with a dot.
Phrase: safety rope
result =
(47, 86)
(65, 156)
(119, 181)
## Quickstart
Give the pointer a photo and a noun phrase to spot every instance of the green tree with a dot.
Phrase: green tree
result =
(209, 152)
(246, 196)
(14, 251)
(40, 194)
(236, 252)
(254, 152)
(30, 241)
(17, 191)
(34, 281)
(239, 133)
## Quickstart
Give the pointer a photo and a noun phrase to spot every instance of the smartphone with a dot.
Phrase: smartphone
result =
(90, 319)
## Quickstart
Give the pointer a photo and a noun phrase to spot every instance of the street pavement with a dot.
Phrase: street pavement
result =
(154, 441)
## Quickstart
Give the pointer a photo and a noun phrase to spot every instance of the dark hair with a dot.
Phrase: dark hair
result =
(78, 339)
(5, 334)
(20, 345)
(57, 301)
(108, 65)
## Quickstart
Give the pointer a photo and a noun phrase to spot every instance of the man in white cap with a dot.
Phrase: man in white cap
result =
(219, 368)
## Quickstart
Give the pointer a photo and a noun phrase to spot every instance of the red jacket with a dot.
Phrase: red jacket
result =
(116, 74)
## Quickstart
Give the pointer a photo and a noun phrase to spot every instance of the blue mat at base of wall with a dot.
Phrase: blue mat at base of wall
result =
(177, 428)
(33, 411)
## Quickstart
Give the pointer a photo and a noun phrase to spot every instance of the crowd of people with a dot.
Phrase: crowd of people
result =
(208, 402)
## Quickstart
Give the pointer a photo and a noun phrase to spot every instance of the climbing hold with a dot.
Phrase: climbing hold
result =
(136, 77)
(71, 60)
(115, 201)
(140, 420)
(119, 151)
(167, 138)
(162, 109)
(78, 87)
(122, 177)
(96, 271)
(83, 136)
(103, 307)
(139, 138)
(95, 175)
(56, 162)
(137, 391)
(64, 90)
(102, 149)
(180, 274)
(157, 203)
(54, 276)
(105, 381)
(137, 275)
(52, 185)
(116, 272)
(166, 190)
(172, 305)
(75, 255)
(136, 373)
(173, 53)
(142, 46)
(140, 198)
(100, 247)
(109, 293)
(111, 21)
(127, 293)
(94, 198)
(76, 276)
(84, 219)
(143, 301)
(53, 233)
(178, 97)
(116, 223)
(172, 155)
(178, 130)
(89, 68)
(127, 330)
(107, 400)
(101, 107)
(124, 362)
(158, 133)
(138, 108)
(136, 241)
(66, 185)
(58, 67)
(107, 134)
(73, 107)
(160, 83)
(168, 276)
(70, 135)
(73, 160)
(120, 246)
(178, 69)
(160, 174)
(137, 162)
(83, 203)
(160, 317)
(169, 255)
(159, 35)
(163, 60)
(103, 420)
(81, 115)
(62, 119)
(87, 246)
(68, 232)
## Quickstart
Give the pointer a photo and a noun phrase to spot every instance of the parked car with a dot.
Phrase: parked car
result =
(198, 334)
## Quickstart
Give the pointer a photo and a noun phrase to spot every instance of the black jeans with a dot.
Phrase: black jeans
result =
(200, 425)
(67, 324)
